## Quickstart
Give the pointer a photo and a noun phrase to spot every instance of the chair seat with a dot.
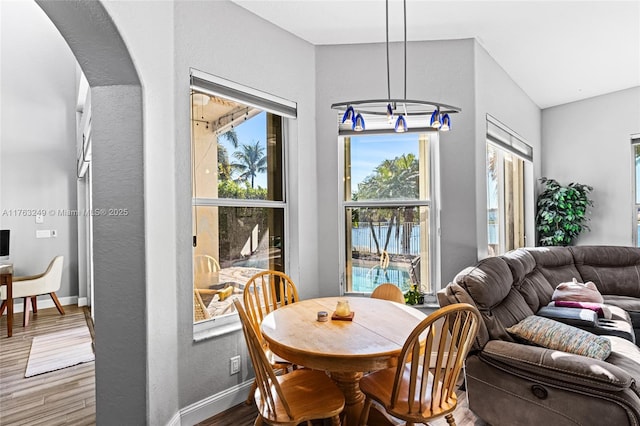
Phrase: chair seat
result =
(311, 394)
(379, 386)
(428, 368)
(293, 398)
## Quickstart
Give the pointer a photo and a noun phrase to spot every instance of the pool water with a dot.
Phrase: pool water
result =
(364, 279)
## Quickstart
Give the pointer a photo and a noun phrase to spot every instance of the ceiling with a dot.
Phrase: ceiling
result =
(556, 51)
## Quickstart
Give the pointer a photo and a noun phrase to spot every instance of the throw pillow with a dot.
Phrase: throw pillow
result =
(555, 335)
(577, 292)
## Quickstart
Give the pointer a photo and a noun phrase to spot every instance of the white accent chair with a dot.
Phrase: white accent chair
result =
(30, 287)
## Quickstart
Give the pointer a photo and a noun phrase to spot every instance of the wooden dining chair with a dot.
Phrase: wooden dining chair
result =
(388, 291)
(204, 264)
(265, 292)
(300, 396)
(422, 385)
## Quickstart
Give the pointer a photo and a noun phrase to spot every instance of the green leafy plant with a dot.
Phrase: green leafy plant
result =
(562, 212)
(413, 296)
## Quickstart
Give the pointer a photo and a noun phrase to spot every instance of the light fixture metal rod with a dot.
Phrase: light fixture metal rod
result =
(387, 31)
(429, 106)
(405, 48)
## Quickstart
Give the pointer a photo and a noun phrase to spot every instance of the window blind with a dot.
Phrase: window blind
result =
(217, 86)
(506, 139)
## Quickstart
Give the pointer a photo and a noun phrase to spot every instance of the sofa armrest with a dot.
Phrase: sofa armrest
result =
(572, 316)
(556, 365)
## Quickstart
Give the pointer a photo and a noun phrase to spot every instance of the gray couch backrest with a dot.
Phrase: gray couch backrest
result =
(508, 288)
(614, 270)
(489, 284)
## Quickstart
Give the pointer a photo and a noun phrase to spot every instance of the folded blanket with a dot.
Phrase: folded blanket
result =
(602, 310)
(577, 292)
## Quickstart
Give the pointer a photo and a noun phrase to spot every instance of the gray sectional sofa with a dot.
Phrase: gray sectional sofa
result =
(514, 383)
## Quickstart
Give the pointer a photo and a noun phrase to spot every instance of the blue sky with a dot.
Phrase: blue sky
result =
(249, 132)
(367, 152)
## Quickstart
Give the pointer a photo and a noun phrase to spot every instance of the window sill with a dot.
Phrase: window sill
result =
(211, 329)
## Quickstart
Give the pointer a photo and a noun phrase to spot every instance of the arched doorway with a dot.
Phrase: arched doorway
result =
(119, 240)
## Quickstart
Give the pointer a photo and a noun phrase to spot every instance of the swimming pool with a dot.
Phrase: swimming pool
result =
(365, 279)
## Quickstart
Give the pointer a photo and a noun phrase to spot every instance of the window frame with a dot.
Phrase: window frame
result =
(432, 204)
(504, 140)
(287, 110)
(635, 204)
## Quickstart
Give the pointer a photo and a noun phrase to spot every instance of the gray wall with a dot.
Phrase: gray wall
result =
(147, 364)
(499, 96)
(122, 370)
(589, 142)
(225, 40)
(350, 72)
(38, 141)
(457, 72)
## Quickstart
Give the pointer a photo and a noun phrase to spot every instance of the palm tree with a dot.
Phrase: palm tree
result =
(252, 161)
(225, 168)
(393, 179)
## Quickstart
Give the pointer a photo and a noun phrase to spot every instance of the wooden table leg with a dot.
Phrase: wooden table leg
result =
(6, 279)
(348, 383)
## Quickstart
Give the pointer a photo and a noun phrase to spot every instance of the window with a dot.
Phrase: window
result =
(388, 211)
(238, 190)
(507, 158)
(635, 147)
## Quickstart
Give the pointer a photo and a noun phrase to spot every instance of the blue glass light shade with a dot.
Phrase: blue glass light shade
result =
(401, 124)
(446, 123)
(348, 115)
(435, 119)
(358, 123)
(389, 113)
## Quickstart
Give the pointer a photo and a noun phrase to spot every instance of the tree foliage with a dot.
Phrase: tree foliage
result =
(395, 179)
(392, 179)
(240, 190)
(562, 212)
(252, 160)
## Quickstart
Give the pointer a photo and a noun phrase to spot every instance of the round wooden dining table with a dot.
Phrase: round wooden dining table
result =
(370, 341)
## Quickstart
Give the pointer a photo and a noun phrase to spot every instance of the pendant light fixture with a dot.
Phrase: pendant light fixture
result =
(382, 115)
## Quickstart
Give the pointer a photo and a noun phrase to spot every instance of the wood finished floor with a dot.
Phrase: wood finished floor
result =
(245, 415)
(67, 396)
(63, 397)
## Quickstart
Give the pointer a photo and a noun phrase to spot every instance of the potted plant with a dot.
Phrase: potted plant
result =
(414, 296)
(562, 212)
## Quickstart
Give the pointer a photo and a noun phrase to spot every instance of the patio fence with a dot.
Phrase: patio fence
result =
(405, 240)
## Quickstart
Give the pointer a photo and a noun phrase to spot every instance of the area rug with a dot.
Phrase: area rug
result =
(59, 350)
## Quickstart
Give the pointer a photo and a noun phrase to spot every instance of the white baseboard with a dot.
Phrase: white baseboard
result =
(215, 404)
(175, 420)
(83, 301)
(45, 302)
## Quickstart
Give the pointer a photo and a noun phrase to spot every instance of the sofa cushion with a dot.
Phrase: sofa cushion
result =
(625, 306)
(488, 282)
(627, 303)
(529, 281)
(614, 270)
(558, 336)
(625, 355)
(453, 293)
(555, 263)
